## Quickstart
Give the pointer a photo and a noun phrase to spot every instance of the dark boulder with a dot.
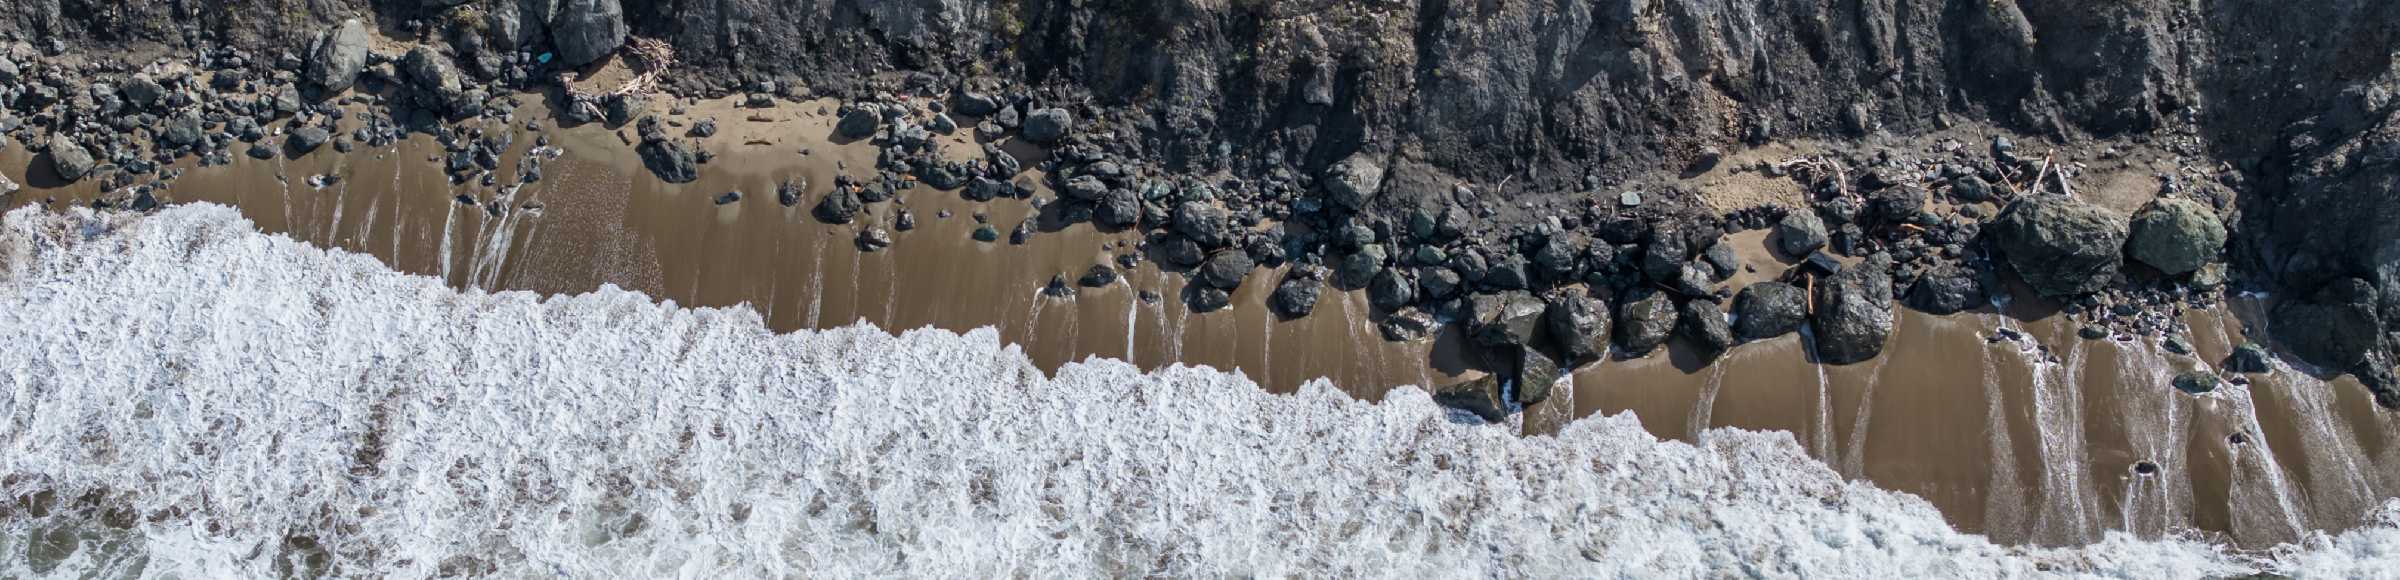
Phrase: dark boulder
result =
(1048, 125)
(1481, 396)
(840, 206)
(2250, 358)
(1768, 310)
(340, 53)
(2061, 247)
(671, 161)
(587, 30)
(1578, 325)
(859, 123)
(2197, 382)
(1391, 290)
(1799, 233)
(1204, 223)
(1099, 275)
(1120, 208)
(1225, 269)
(71, 161)
(1704, 327)
(1946, 290)
(1853, 317)
(2337, 327)
(1296, 296)
(1644, 323)
(1360, 267)
(1181, 252)
(306, 139)
(1506, 319)
(1204, 299)
(2175, 235)
(788, 193)
(1353, 182)
(1536, 374)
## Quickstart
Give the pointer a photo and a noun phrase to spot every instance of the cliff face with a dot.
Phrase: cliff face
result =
(1542, 96)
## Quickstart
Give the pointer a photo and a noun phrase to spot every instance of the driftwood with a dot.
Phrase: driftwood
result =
(656, 56)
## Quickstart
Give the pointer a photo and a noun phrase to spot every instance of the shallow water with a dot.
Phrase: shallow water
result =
(1999, 437)
(188, 398)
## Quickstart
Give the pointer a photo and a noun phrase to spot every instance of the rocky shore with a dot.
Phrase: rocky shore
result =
(1524, 171)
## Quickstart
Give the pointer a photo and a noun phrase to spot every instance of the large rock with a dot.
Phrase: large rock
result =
(1506, 319)
(1946, 290)
(1536, 374)
(338, 57)
(1578, 325)
(1225, 270)
(587, 30)
(2175, 235)
(1296, 297)
(840, 206)
(1204, 223)
(672, 161)
(1768, 310)
(2337, 327)
(1048, 125)
(1799, 233)
(1704, 326)
(1853, 317)
(1481, 396)
(70, 160)
(2060, 246)
(1353, 182)
(1644, 323)
(1390, 290)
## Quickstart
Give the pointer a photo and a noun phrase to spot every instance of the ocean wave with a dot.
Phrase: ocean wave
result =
(183, 396)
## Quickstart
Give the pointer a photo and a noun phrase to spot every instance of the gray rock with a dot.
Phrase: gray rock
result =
(2338, 326)
(671, 161)
(1768, 310)
(840, 206)
(587, 30)
(1353, 182)
(338, 57)
(1204, 223)
(2250, 358)
(142, 92)
(2061, 247)
(2197, 382)
(1181, 252)
(1204, 299)
(1946, 290)
(2175, 235)
(1853, 317)
(1536, 374)
(1360, 266)
(1225, 270)
(307, 139)
(1391, 291)
(1799, 233)
(1296, 296)
(1437, 282)
(859, 123)
(1704, 327)
(183, 130)
(1578, 326)
(1644, 323)
(1506, 319)
(71, 161)
(1048, 125)
(1481, 396)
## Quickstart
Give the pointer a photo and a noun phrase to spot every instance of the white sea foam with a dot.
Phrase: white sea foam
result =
(233, 391)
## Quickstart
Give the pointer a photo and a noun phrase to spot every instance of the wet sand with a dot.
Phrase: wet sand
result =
(2001, 439)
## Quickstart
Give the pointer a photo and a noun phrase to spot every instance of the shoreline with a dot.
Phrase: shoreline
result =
(1670, 395)
(1768, 497)
(592, 247)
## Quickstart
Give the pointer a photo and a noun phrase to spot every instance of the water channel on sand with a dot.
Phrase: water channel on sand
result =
(2027, 441)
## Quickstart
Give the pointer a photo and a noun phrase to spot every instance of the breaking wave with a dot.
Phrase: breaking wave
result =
(181, 396)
